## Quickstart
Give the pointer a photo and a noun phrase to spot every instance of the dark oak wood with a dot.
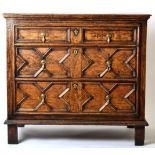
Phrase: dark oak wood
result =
(12, 134)
(76, 122)
(129, 126)
(76, 17)
(76, 69)
(21, 125)
(139, 135)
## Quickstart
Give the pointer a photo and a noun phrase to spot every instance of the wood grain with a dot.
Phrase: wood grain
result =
(74, 73)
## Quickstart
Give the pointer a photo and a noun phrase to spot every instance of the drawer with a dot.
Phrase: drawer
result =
(42, 97)
(111, 35)
(105, 35)
(76, 62)
(102, 97)
(43, 62)
(42, 34)
(110, 63)
(75, 97)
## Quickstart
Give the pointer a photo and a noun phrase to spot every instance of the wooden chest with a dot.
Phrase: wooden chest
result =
(76, 69)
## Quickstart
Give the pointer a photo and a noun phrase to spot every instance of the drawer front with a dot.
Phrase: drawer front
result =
(41, 97)
(75, 97)
(106, 35)
(42, 34)
(101, 97)
(111, 35)
(43, 62)
(109, 63)
(76, 62)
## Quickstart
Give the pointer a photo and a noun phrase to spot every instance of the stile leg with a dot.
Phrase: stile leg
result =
(12, 134)
(139, 135)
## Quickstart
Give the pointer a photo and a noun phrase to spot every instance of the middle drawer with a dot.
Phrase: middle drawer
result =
(76, 62)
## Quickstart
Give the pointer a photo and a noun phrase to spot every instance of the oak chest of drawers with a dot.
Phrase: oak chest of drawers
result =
(76, 69)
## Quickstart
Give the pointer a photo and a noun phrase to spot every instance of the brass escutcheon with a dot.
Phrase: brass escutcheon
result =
(75, 86)
(75, 51)
(76, 32)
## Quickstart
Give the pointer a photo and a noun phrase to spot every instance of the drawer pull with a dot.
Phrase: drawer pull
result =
(43, 96)
(43, 66)
(108, 65)
(76, 32)
(108, 68)
(75, 52)
(108, 101)
(75, 86)
(41, 103)
(43, 62)
(43, 37)
(109, 36)
(108, 98)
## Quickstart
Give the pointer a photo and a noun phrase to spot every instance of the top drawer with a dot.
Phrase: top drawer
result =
(64, 35)
(111, 35)
(42, 34)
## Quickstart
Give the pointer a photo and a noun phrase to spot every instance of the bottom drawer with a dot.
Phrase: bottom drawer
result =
(75, 97)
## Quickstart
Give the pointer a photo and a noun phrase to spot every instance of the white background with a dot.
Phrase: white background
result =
(44, 138)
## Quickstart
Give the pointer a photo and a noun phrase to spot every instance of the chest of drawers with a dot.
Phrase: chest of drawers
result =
(76, 69)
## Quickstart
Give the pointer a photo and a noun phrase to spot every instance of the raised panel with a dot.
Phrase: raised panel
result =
(99, 62)
(42, 97)
(43, 62)
(101, 97)
(42, 34)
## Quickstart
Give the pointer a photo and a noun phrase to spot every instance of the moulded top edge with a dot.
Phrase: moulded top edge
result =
(86, 17)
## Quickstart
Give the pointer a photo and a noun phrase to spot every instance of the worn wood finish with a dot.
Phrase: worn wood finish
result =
(76, 69)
